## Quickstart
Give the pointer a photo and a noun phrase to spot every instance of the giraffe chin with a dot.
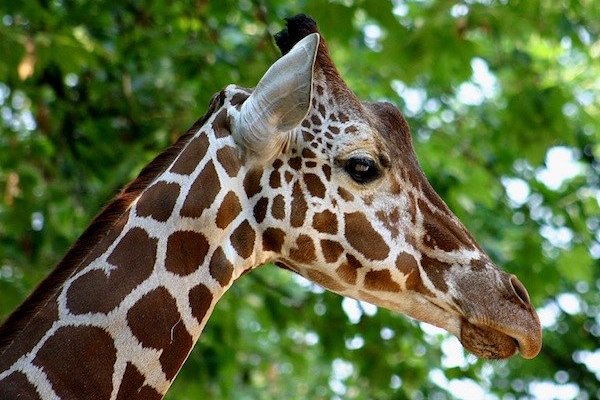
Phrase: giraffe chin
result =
(486, 342)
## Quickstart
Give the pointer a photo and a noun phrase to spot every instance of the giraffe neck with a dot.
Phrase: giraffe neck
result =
(139, 299)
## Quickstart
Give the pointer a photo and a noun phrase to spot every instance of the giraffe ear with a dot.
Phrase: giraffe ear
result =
(280, 101)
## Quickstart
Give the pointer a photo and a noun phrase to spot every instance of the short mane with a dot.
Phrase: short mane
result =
(98, 228)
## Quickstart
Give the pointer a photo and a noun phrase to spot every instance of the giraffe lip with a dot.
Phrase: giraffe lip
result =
(489, 341)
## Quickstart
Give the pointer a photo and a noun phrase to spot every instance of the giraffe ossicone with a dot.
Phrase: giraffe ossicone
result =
(297, 172)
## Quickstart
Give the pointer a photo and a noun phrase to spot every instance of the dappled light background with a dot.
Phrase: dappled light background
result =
(503, 101)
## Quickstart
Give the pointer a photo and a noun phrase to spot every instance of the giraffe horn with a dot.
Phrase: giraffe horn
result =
(280, 101)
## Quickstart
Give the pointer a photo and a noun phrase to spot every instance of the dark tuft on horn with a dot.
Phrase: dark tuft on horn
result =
(297, 28)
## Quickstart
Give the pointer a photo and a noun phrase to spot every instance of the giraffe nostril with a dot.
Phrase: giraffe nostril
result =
(519, 289)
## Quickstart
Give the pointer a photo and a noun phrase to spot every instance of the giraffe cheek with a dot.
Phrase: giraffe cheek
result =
(408, 266)
(347, 272)
(331, 250)
(381, 281)
(436, 272)
(360, 234)
(314, 185)
(325, 222)
(324, 280)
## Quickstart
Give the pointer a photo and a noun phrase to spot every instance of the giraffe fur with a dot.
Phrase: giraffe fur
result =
(339, 199)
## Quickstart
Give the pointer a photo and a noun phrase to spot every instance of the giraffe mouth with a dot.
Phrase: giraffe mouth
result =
(477, 338)
(486, 342)
(483, 337)
(491, 342)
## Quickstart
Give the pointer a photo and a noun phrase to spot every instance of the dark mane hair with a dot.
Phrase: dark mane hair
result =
(99, 227)
(297, 28)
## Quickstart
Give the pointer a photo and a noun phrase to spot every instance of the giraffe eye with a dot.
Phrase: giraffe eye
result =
(361, 169)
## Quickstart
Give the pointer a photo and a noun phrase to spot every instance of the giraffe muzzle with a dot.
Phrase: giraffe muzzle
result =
(506, 323)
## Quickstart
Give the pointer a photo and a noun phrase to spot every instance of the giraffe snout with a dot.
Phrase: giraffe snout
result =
(499, 317)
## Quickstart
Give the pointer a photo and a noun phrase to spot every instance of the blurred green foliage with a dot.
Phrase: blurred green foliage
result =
(503, 99)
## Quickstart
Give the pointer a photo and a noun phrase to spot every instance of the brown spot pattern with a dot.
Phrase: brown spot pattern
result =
(242, 239)
(326, 171)
(93, 353)
(353, 262)
(260, 209)
(158, 201)
(308, 153)
(325, 222)
(202, 193)
(441, 230)
(361, 236)
(299, 207)
(407, 264)
(314, 185)
(277, 163)
(252, 184)
(321, 109)
(288, 176)
(220, 268)
(228, 158)
(331, 250)
(437, 235)
(412, 208)
(389, 221)
(200, 301)
(295, 163)
(278, 208)
(230, 208)
(191, 156)
(345, 195)
(304, 252)
(29, 336)
(435, 270)
(275, 179)
(381, 280)
(133, 257)
(111, 236)
(133, 387)
(273, 239)
(156, 322)
(17, 386)
(347, 273)
(324, 280)
(239, 98)
(186, 251)
(221, 125)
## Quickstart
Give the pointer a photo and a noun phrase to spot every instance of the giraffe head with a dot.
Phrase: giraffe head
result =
(341, 200)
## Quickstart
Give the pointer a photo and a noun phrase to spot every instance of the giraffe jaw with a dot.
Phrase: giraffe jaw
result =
(480, 336)
(486, 342)
(493, 341)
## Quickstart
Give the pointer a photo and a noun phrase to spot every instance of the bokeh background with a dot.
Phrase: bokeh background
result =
(503, 98)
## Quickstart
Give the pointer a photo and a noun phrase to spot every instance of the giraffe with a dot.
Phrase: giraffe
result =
(297, 172)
